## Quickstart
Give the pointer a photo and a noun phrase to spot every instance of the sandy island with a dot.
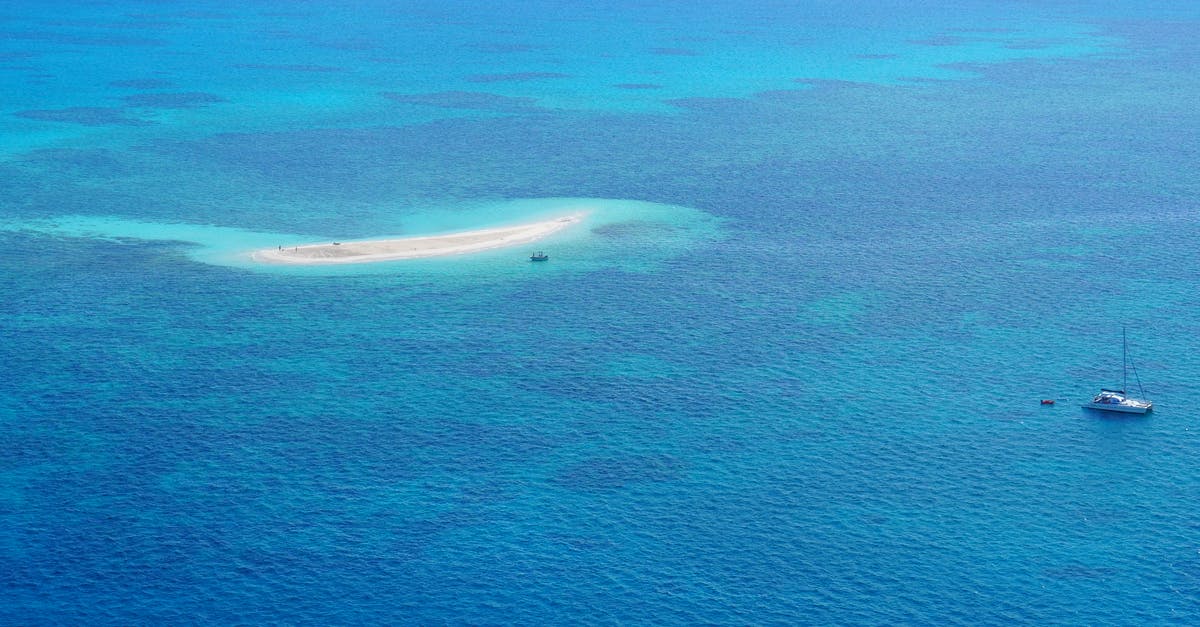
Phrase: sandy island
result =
(364, 251)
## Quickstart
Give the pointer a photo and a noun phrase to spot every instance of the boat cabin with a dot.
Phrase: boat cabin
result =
(1110, 397)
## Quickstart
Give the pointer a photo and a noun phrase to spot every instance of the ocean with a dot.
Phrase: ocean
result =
(788, 371)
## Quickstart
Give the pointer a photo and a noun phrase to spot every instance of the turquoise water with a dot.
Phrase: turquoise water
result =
(628, 234)
(787, 371)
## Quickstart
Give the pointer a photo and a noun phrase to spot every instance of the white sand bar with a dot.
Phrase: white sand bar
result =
(364, 251)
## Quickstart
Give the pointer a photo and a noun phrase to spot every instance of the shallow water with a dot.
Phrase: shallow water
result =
(790, 374)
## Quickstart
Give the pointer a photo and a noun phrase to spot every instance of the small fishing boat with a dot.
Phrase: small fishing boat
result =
(1118, 400)
(1047, 401)
(539, 256)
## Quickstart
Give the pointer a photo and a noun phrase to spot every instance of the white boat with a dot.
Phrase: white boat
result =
(1115, 400)
(1118, 400)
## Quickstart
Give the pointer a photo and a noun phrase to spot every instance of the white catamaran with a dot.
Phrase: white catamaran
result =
(1117, 400)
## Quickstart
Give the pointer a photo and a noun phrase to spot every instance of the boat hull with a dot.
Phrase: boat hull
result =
(1123, 408)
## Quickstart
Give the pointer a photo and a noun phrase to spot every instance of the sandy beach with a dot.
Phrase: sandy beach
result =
(364, 251)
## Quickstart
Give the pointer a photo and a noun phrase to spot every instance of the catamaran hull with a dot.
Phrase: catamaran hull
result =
(1124, 409)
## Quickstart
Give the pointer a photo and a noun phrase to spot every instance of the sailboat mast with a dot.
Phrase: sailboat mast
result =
(1124, 364)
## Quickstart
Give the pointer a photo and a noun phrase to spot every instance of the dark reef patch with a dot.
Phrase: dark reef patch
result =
(184, 100)
(515, 77)
(81, 40)
(674, 52)
(79, 163)
(632, 229)
(500, 48)
(991, 31)
(142, 83)
(289, 67)
(86, 116)
(824, 83)
(705, 104)
(939, 41)
(1033, 44)
(476, 101)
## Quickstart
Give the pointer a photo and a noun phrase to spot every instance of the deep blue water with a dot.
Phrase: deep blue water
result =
(800, 387)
